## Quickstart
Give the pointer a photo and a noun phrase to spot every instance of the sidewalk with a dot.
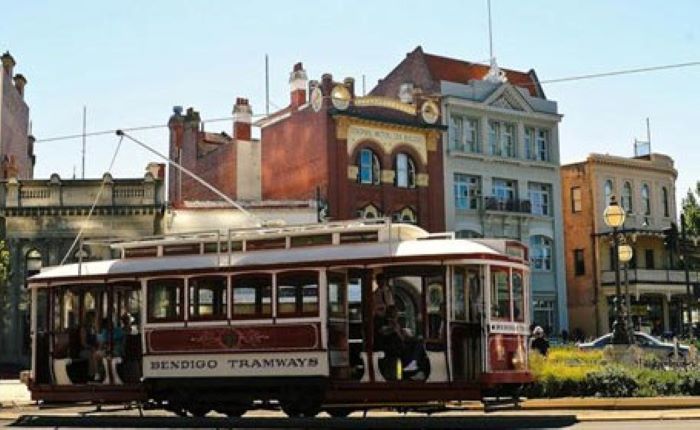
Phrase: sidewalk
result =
(13, 393)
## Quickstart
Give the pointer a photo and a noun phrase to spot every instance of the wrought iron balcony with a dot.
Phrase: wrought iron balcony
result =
(652, 276)
(492, 203)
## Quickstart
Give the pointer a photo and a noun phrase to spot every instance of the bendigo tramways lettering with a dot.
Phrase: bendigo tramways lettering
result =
(242, 363)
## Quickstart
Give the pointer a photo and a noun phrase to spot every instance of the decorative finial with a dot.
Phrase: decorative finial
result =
(495, 74)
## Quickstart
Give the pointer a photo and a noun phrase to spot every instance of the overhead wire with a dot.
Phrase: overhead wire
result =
(541, 82)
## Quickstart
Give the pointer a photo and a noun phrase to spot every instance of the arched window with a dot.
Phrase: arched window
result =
(369, 211)
(406, 215)
(541, 253)
(608, 189)
(405, 171)
(33, 263)
(626, 197)
(664, 201)
(370, 170)
(646, 203)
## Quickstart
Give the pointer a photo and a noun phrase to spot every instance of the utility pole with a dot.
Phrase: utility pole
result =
(83, 154)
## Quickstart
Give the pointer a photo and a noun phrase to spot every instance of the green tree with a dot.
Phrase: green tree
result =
(691, 210)
(4, 262)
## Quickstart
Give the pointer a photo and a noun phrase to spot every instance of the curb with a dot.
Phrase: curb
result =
(625, 403)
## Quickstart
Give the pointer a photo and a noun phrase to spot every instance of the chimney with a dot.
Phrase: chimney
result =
(8, 63)
(350, 85)
(20, 82)
(242, 115)
(297, 82)
(157, 170)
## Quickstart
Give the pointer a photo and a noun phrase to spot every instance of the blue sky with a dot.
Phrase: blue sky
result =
(131, 61)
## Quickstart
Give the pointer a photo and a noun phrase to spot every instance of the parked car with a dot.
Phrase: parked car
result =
(648, 343)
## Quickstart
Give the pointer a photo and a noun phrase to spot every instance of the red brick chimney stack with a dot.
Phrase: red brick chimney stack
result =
(297, 82)
(242, 116)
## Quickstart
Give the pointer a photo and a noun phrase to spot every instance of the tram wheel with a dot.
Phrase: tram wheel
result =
(198, 411)
(232, 411)
(301, 406)
(339, 412)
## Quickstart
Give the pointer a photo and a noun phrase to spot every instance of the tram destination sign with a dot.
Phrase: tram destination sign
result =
(507, 327)
(236, 365)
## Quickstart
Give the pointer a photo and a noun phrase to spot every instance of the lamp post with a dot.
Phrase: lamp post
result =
(614, 216)
(625, 254)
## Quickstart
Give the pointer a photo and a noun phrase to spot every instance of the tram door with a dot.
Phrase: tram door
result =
(338, 325)
(465, 328)
(41, 337)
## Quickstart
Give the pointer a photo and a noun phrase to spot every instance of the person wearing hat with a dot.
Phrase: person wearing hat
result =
(539, 342)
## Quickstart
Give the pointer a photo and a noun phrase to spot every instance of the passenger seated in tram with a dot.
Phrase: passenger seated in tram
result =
(103, 343)
(88, 343)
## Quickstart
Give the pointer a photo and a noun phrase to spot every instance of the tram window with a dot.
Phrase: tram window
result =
(252, 296)
(68, 315)
(207, 298)
(459, 305)
(297, 294)
(518, 296)
(435, 307)
(500, 296)
(336, 295)
(165, 297)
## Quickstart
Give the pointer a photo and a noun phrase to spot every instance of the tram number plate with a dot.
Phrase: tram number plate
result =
(508, 327)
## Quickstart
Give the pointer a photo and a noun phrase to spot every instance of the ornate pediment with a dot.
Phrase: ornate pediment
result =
(507, 97)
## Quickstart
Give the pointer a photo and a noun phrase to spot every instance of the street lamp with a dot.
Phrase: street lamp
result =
(625, 254)
(614, 216)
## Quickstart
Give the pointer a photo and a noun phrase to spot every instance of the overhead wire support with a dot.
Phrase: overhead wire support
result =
(194, 176)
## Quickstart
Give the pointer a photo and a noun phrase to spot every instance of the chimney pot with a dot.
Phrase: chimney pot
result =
(242, 118)
(8, 63)
(20, 82)
(297, 82)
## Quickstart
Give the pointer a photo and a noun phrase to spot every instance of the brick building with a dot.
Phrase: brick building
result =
(645, 187)
(16, 145)
(231, 163)
(501, 158)
(361, 156)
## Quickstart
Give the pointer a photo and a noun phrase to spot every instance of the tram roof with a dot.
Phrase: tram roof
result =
(397, 242)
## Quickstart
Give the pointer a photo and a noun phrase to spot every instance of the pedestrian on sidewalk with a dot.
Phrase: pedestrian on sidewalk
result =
(539, 342)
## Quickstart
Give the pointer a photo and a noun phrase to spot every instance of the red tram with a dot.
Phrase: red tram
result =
(337, 317)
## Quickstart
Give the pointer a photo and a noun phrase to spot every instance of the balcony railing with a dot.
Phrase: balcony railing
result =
(507, 205)
(655, 276)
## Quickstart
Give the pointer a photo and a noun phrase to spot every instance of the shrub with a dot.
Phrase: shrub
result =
(613, 381)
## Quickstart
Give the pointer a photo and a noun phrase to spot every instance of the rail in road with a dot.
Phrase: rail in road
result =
(373, 423)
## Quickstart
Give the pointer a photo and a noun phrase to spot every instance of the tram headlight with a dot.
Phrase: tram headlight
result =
(519, 357)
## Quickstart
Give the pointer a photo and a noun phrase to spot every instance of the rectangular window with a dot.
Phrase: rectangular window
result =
(649, 258)
(467, 191)
(576, 199)
(540, 198)
(297, 294)
(165, 300)
(579, 262)
(337, 296)
(208, 298)
(504, 190)
(465, 134)
(530, 143)
(542, 145)
(501, 139)
(500, 294)
(518, 296)
(252, 296)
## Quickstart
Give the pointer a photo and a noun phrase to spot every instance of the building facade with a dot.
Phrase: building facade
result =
(16, 144)
(359, 156)
(645, 187)
(501, 158)
(40, 221)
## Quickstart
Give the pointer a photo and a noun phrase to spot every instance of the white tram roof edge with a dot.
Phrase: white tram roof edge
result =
(402, 246)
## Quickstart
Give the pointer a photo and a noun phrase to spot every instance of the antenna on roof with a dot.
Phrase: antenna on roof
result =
(267, 86)
(494, 75)
(643, 148)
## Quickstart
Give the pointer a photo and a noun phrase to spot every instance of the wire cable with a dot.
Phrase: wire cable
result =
(94, 203)
(194, 176)
(541, 82)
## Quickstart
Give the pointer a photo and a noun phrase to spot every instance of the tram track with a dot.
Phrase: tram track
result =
(359, 423)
